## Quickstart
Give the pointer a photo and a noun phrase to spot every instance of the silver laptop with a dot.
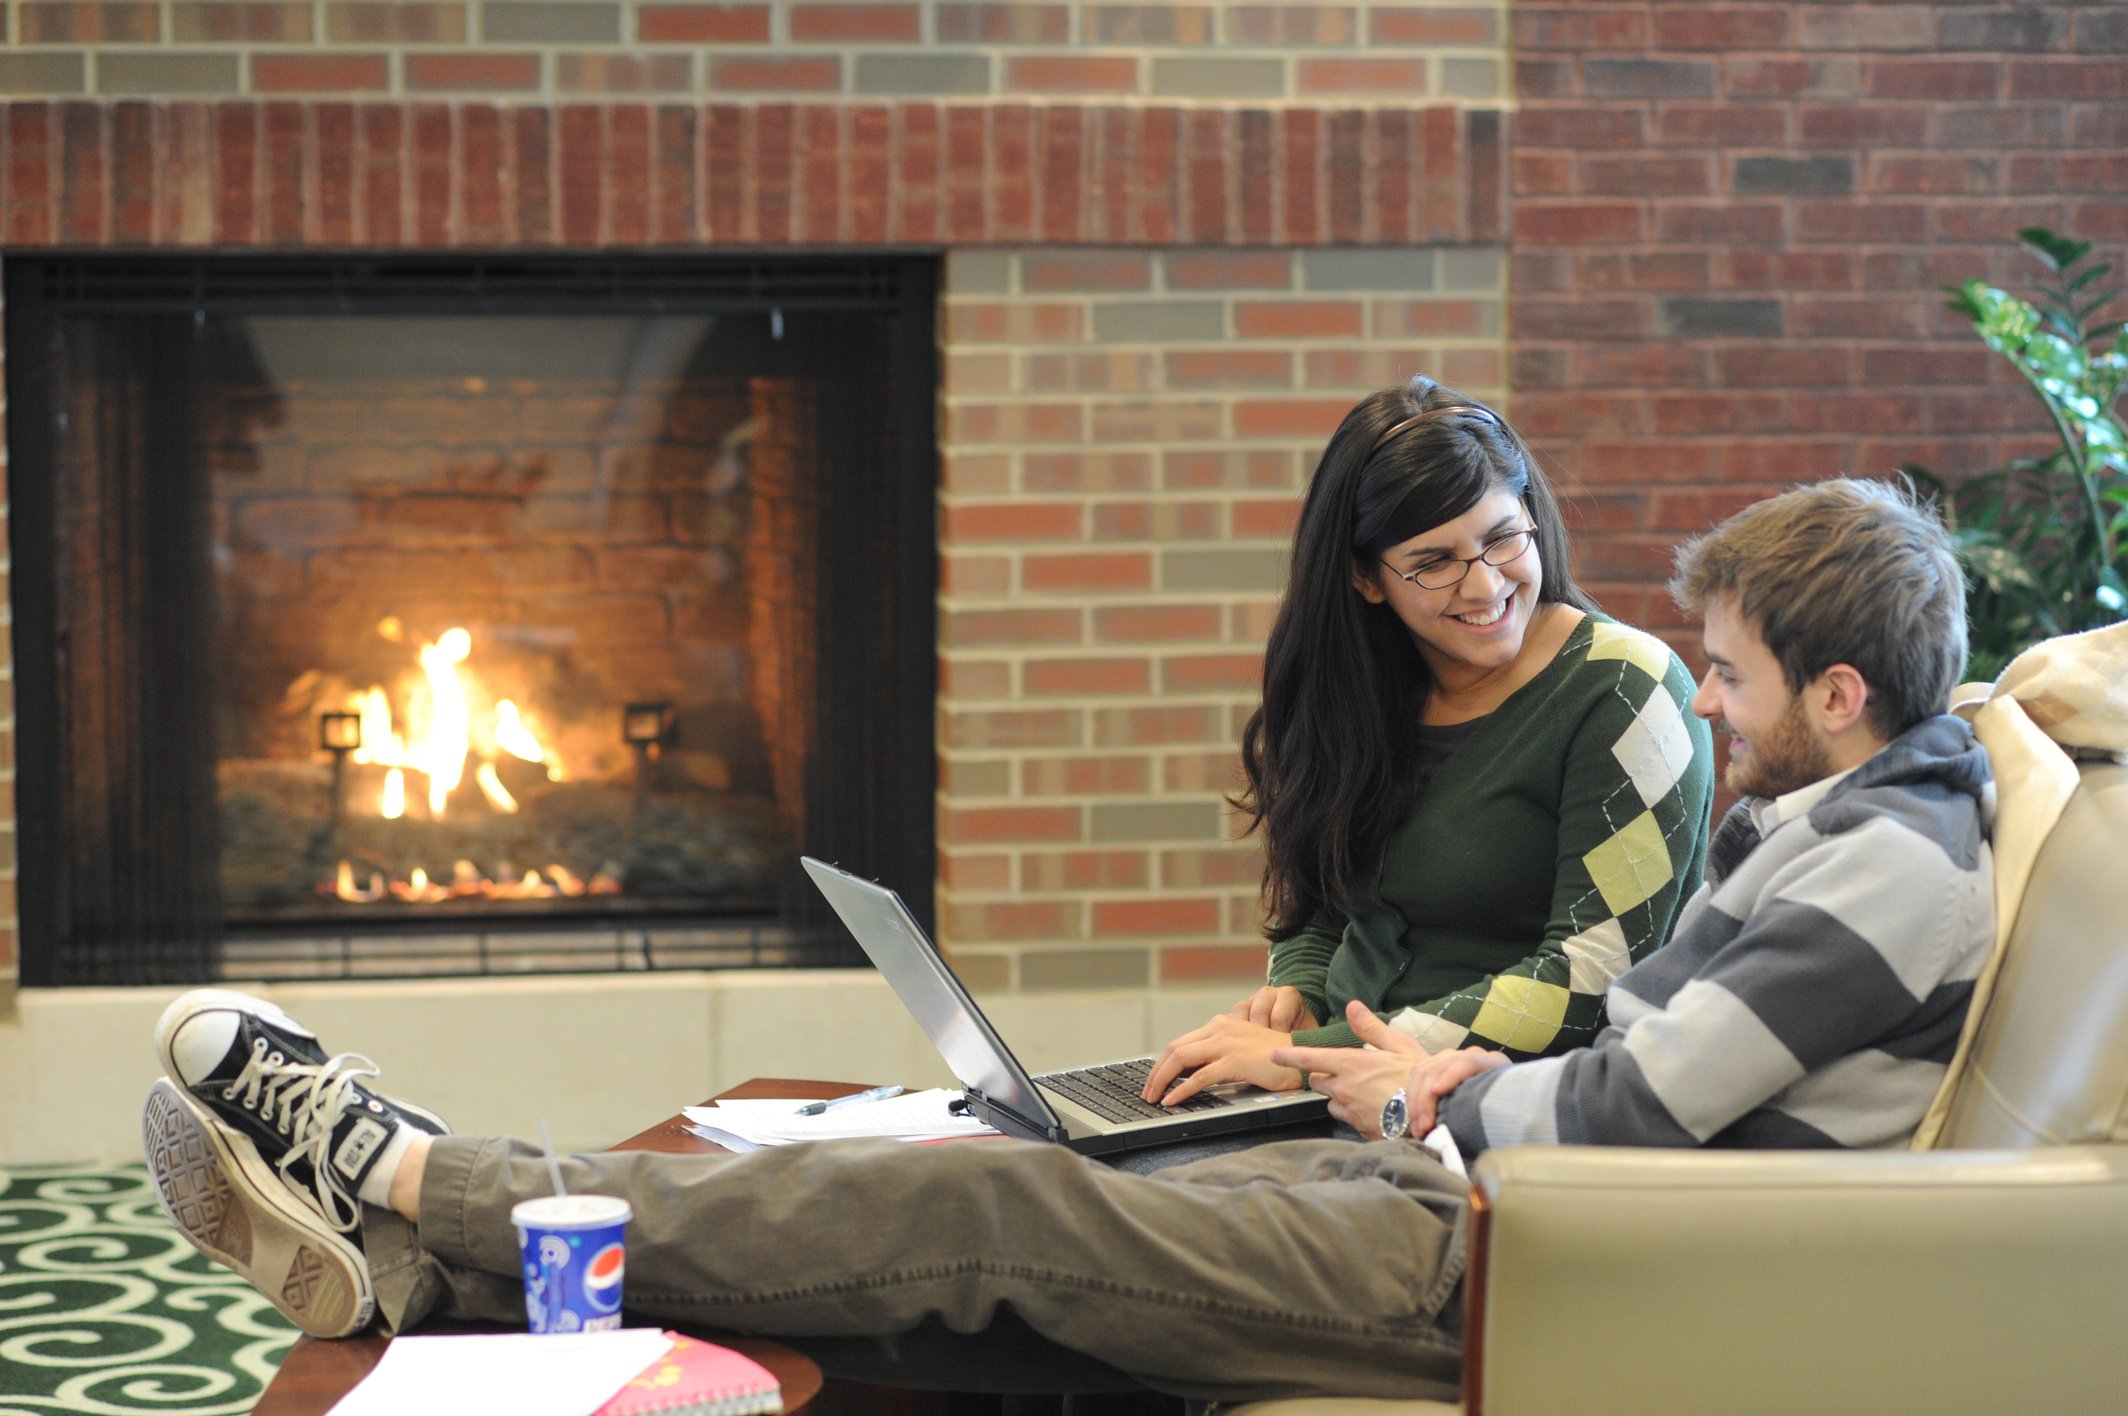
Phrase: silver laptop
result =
(1094, 1109)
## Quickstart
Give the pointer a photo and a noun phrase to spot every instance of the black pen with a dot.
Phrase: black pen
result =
(814, 1108)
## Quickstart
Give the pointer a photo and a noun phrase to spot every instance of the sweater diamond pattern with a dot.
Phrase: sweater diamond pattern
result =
(1522, 1013)
(1656, 748)
(1633, 866)
(1597, 957)
(1611, 640)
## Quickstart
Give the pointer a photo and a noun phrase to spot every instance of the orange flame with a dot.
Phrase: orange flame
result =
(441, 734)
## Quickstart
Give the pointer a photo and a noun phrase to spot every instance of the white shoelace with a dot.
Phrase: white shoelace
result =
(303, 1102)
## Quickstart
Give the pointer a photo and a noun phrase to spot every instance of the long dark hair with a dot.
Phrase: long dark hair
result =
(1328, 754)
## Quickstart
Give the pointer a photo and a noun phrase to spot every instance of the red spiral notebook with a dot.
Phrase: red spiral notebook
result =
(698, 1379)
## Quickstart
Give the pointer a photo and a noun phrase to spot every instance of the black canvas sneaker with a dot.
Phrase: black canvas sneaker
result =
(234, 1209)
(252, 1068)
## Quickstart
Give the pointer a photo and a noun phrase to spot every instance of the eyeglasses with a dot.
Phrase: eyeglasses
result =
(1449, 570)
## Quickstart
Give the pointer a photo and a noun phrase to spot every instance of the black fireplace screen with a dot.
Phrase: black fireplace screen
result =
(385, 618)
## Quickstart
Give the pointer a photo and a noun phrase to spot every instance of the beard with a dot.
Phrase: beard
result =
(1786, 756)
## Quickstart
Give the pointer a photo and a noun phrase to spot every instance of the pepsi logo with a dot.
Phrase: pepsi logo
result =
(602, 1278)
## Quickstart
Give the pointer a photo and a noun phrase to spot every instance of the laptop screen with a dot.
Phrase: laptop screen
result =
(897, 946)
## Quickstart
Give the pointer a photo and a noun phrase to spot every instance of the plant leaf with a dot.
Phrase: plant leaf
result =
(2097, 272)
(2055, 251)
(2043, 541)
(1963, 300)
(1999, 566)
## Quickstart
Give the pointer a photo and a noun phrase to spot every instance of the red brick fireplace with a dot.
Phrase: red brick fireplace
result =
(282, 178)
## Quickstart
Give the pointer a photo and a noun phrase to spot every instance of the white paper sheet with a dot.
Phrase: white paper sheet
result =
(730, 1140)
(913, 1116)
(568, 1374)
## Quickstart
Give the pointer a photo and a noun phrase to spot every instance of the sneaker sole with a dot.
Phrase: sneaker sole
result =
(225, 1201)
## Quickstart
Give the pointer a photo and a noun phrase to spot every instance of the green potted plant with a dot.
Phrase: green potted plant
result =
(2044, 540)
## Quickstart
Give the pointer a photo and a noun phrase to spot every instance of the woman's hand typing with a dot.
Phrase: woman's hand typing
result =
(1226, 1049)
(1280, 1008)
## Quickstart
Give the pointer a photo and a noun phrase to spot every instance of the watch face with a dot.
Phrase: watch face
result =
(1396, 1118)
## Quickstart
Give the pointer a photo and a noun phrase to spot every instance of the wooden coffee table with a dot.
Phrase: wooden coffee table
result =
(318, 1372)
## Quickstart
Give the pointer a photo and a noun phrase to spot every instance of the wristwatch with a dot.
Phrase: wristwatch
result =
(1396, 1117)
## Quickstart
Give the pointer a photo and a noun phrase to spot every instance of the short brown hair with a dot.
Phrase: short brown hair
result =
(1842, 572)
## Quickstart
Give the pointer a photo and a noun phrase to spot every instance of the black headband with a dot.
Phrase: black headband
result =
(1431, 413)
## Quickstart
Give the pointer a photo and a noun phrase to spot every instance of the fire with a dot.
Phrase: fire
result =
(449, 726)
(513, 737)
(492, 788)
(442, 732)
(468, 882)
(448, 742)
(344, 885)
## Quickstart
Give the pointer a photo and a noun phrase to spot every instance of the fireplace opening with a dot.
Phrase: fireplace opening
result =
(383, 617)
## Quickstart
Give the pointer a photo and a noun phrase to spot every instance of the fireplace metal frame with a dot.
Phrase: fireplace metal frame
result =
(898, 754)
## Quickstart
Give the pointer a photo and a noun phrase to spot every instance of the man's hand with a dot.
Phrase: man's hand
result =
(1441, 1074)
(1358, 1079)
(1278, 1008)
(1226, 1049)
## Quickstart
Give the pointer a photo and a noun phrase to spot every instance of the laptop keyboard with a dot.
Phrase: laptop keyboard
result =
(1111, 1091)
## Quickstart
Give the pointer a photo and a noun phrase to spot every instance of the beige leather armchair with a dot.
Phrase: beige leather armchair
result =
(1987, 1274)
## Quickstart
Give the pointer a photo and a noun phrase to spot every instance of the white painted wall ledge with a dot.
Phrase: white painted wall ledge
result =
(598, 1056)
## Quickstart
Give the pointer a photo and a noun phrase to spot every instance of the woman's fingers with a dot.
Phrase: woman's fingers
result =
(1198, 1079)
(1265, 1006)
(1172, 1061)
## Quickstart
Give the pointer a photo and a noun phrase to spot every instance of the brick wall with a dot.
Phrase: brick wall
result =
(1126, 433)
(1047, 147)
(291, 173)
(1730, 222)
(1021, 49)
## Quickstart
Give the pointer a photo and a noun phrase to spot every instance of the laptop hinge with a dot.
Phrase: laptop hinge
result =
(988, 1110)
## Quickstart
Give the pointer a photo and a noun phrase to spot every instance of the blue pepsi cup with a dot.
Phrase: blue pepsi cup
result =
(573, 1260)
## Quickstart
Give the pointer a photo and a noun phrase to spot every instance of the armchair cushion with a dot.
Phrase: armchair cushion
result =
(1648, 1282)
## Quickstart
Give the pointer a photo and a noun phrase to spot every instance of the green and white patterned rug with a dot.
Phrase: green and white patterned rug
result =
(106, 1310)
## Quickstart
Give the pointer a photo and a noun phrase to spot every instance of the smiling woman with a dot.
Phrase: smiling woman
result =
(1469, 615)
(1481, 799)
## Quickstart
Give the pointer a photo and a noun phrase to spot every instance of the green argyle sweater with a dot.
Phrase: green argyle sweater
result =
(1550, 853)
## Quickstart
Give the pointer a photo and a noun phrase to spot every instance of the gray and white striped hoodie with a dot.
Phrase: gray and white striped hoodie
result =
(1815, 986)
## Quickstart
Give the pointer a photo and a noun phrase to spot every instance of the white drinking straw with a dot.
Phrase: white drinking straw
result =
(554, 1167)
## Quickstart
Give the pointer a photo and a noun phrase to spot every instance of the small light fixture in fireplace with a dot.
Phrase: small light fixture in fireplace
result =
(339, 733)
(645, 726)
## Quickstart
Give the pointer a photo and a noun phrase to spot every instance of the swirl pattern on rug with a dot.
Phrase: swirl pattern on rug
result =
(106, 1310)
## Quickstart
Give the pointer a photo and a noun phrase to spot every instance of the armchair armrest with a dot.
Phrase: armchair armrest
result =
(1645, 1282)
